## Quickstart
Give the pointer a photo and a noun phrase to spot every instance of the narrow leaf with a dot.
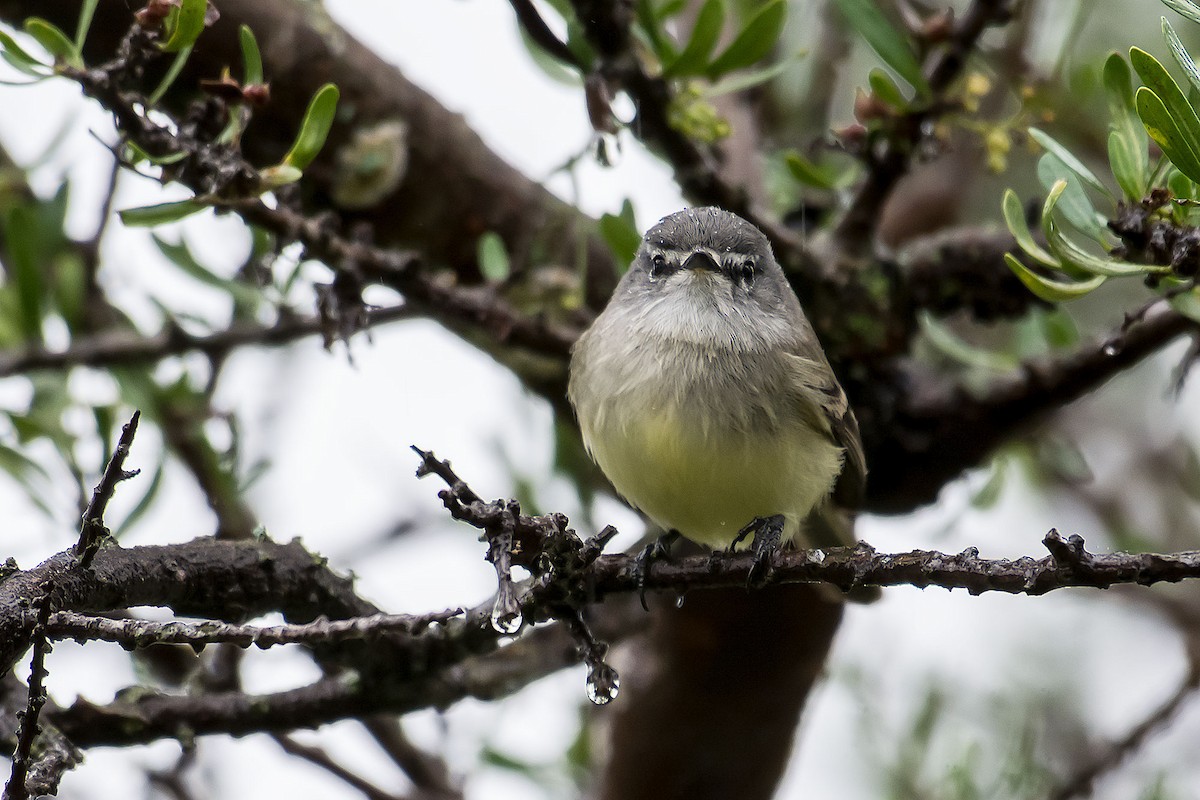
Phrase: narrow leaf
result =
(1075, 255)
(85, 23)
(160, 214)
(885, 88)
(186, 26)
(1074, 205)
(1184, 131)
(172, 73)
(251, 57)
(892, 46)
(1187, 8)
(694, 57)
(753, 42)
(1069, 160)
(1162, 129)
(1050, 289)
(1182, 57)
(956, 348)
(318, 119)
(56, 42)
(809, 173)
(1125, 166)
(18, 58)
(1014, 217)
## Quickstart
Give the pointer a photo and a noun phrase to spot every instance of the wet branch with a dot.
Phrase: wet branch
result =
(123, 347)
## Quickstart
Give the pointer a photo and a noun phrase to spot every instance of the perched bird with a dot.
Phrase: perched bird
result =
(704, 396)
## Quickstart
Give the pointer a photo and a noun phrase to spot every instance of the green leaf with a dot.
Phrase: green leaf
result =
(1187, 304)
(622, 237)
(160, 214)
(493, 257)
(650, 23)
(1075, 255)
(694, 57)
(1014, 217)
(809, 173)
(1075, 205)
(1182, 57)
(86, 12)
(279, 175)
(25, 259)
(753, 42)
(171, 74)
(1126, 168)
(184, 27)
(956, 348)
(1183, 132)
(892, 46)
(56, 42)
(1187, 8)
(1069, 160)
(135, 154)
(19, 59)
(318, 119)
(251, 57)
(1162, 129)
(1128, 153)
(1049, 289)
(885, 88)
(748, 80)
(550, 66)
(181, 256)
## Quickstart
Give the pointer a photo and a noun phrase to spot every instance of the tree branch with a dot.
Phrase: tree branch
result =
(932, 430)
(123, 347)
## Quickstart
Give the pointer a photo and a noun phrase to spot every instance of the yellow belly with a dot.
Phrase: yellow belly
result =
(708, 484)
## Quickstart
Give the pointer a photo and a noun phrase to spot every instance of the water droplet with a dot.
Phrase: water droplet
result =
(606, 148)
(506, 616)
(679, 601)
(1110, 349)
(817, 555)
(603, 683)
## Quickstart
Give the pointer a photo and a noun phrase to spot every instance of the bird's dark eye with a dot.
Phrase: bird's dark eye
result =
(657, 265)
(748, 271)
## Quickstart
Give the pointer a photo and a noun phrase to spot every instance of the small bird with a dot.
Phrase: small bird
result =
(704, 396)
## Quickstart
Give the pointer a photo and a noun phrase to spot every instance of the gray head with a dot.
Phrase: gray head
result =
(709, 267)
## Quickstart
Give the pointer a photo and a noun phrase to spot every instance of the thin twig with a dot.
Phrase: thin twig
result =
(123, 347)
(22, 758)
(1115, 753)
(317, 756)
(540, 33)
(92, 531)
(137, 633)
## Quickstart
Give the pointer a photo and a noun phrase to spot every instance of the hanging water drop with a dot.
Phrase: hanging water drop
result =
(679, 600)
(603, 683)
(1110, 349)
(506, 616)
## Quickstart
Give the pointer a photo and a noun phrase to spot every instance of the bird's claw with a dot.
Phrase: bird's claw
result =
(659, 549)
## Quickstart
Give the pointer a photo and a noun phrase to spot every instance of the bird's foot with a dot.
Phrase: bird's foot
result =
(659, 549)
(768, 538)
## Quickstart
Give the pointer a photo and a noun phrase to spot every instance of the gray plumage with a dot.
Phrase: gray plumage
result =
(702, 391)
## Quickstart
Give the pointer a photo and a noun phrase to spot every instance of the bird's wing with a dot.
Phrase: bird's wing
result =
(843, 427)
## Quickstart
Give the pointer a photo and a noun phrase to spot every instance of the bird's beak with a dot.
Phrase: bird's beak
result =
(701, 260)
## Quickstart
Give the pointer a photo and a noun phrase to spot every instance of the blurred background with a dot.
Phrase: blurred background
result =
(928, 694)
